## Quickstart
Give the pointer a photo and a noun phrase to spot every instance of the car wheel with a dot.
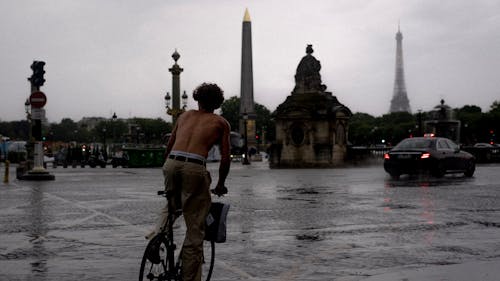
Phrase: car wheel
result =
(488, 156)
(439, 170)
(471, 168)
(395, 175)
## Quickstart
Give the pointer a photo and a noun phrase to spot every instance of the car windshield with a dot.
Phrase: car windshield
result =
(414, 144)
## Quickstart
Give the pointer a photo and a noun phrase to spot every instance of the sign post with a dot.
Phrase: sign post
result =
(37, 100)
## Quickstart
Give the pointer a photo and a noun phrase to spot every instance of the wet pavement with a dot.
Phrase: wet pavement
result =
(329, 224)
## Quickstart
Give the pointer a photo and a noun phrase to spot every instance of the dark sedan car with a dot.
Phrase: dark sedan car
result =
(428, 154)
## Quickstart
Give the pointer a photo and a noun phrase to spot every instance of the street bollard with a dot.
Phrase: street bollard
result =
(6, 176)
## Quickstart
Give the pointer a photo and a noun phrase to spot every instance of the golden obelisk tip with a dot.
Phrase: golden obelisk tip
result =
(247, 15)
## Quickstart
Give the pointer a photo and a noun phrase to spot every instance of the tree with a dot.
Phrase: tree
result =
(65, 131)
(264, 122)
(396, 126)
(230, 110)
(365, 129)
(470, 117)
(361, 129)
(110, 131)
(16, 130)
(468, 109)
(150, 130)
(495, 107)
(492, 121)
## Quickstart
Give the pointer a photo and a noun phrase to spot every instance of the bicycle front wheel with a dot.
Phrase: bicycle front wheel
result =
(154, 261)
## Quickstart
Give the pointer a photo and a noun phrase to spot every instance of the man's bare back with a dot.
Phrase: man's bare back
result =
(194, 134)
(196, 131)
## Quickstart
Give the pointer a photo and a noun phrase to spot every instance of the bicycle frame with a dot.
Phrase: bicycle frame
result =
(167, 268)
(171, 245)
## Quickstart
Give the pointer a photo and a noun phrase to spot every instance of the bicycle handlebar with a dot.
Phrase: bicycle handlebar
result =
(167, 194)
(224, 191)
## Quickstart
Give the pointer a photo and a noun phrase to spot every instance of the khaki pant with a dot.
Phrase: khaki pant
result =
(190, 184)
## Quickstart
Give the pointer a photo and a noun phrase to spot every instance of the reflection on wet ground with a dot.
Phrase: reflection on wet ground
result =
(328, 224)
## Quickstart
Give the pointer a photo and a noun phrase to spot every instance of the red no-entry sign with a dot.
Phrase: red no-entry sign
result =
(38, 99)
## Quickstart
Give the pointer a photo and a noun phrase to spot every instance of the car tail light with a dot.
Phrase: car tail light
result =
(387, 156)
(425, 155)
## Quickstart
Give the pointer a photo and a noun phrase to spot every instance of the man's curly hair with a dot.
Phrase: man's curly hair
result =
(210, 96)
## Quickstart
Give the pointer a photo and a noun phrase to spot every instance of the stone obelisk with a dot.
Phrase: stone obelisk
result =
(247, 108)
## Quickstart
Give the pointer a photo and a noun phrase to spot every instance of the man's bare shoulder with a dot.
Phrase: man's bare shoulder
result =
(188, 113)
(220, 118)
(223, 122)
(217, 118)
(211, 118)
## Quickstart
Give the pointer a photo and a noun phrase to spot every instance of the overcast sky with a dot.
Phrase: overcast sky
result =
(114, 55)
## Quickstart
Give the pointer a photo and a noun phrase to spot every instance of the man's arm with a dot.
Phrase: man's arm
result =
(225, 161)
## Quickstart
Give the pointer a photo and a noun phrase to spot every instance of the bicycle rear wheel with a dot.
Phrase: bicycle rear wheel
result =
(208, 260)
(154, 261)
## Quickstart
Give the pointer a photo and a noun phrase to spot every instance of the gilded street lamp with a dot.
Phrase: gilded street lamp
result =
(30, 144)
(175, 110)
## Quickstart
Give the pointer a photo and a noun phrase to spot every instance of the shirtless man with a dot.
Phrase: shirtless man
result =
(194, 134)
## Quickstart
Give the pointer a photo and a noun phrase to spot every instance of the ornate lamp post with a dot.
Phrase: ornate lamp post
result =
(137, 133)
(114, 118)
(104, 137)
(27, 109)
(245, 147)
(29, 146)
(420, 129)
(175, 110)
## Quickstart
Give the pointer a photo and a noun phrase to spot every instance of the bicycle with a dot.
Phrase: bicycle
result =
(162, 259)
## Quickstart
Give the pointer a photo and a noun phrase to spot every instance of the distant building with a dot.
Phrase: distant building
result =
(399, 102)
(90, 122)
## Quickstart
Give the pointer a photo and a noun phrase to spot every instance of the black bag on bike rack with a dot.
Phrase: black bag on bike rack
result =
(215, 224)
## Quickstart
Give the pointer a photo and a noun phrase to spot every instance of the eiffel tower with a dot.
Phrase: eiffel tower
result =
(399, 102)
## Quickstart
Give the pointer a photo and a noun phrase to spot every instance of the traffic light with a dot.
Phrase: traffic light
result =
(38, 72)
(257, 138)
